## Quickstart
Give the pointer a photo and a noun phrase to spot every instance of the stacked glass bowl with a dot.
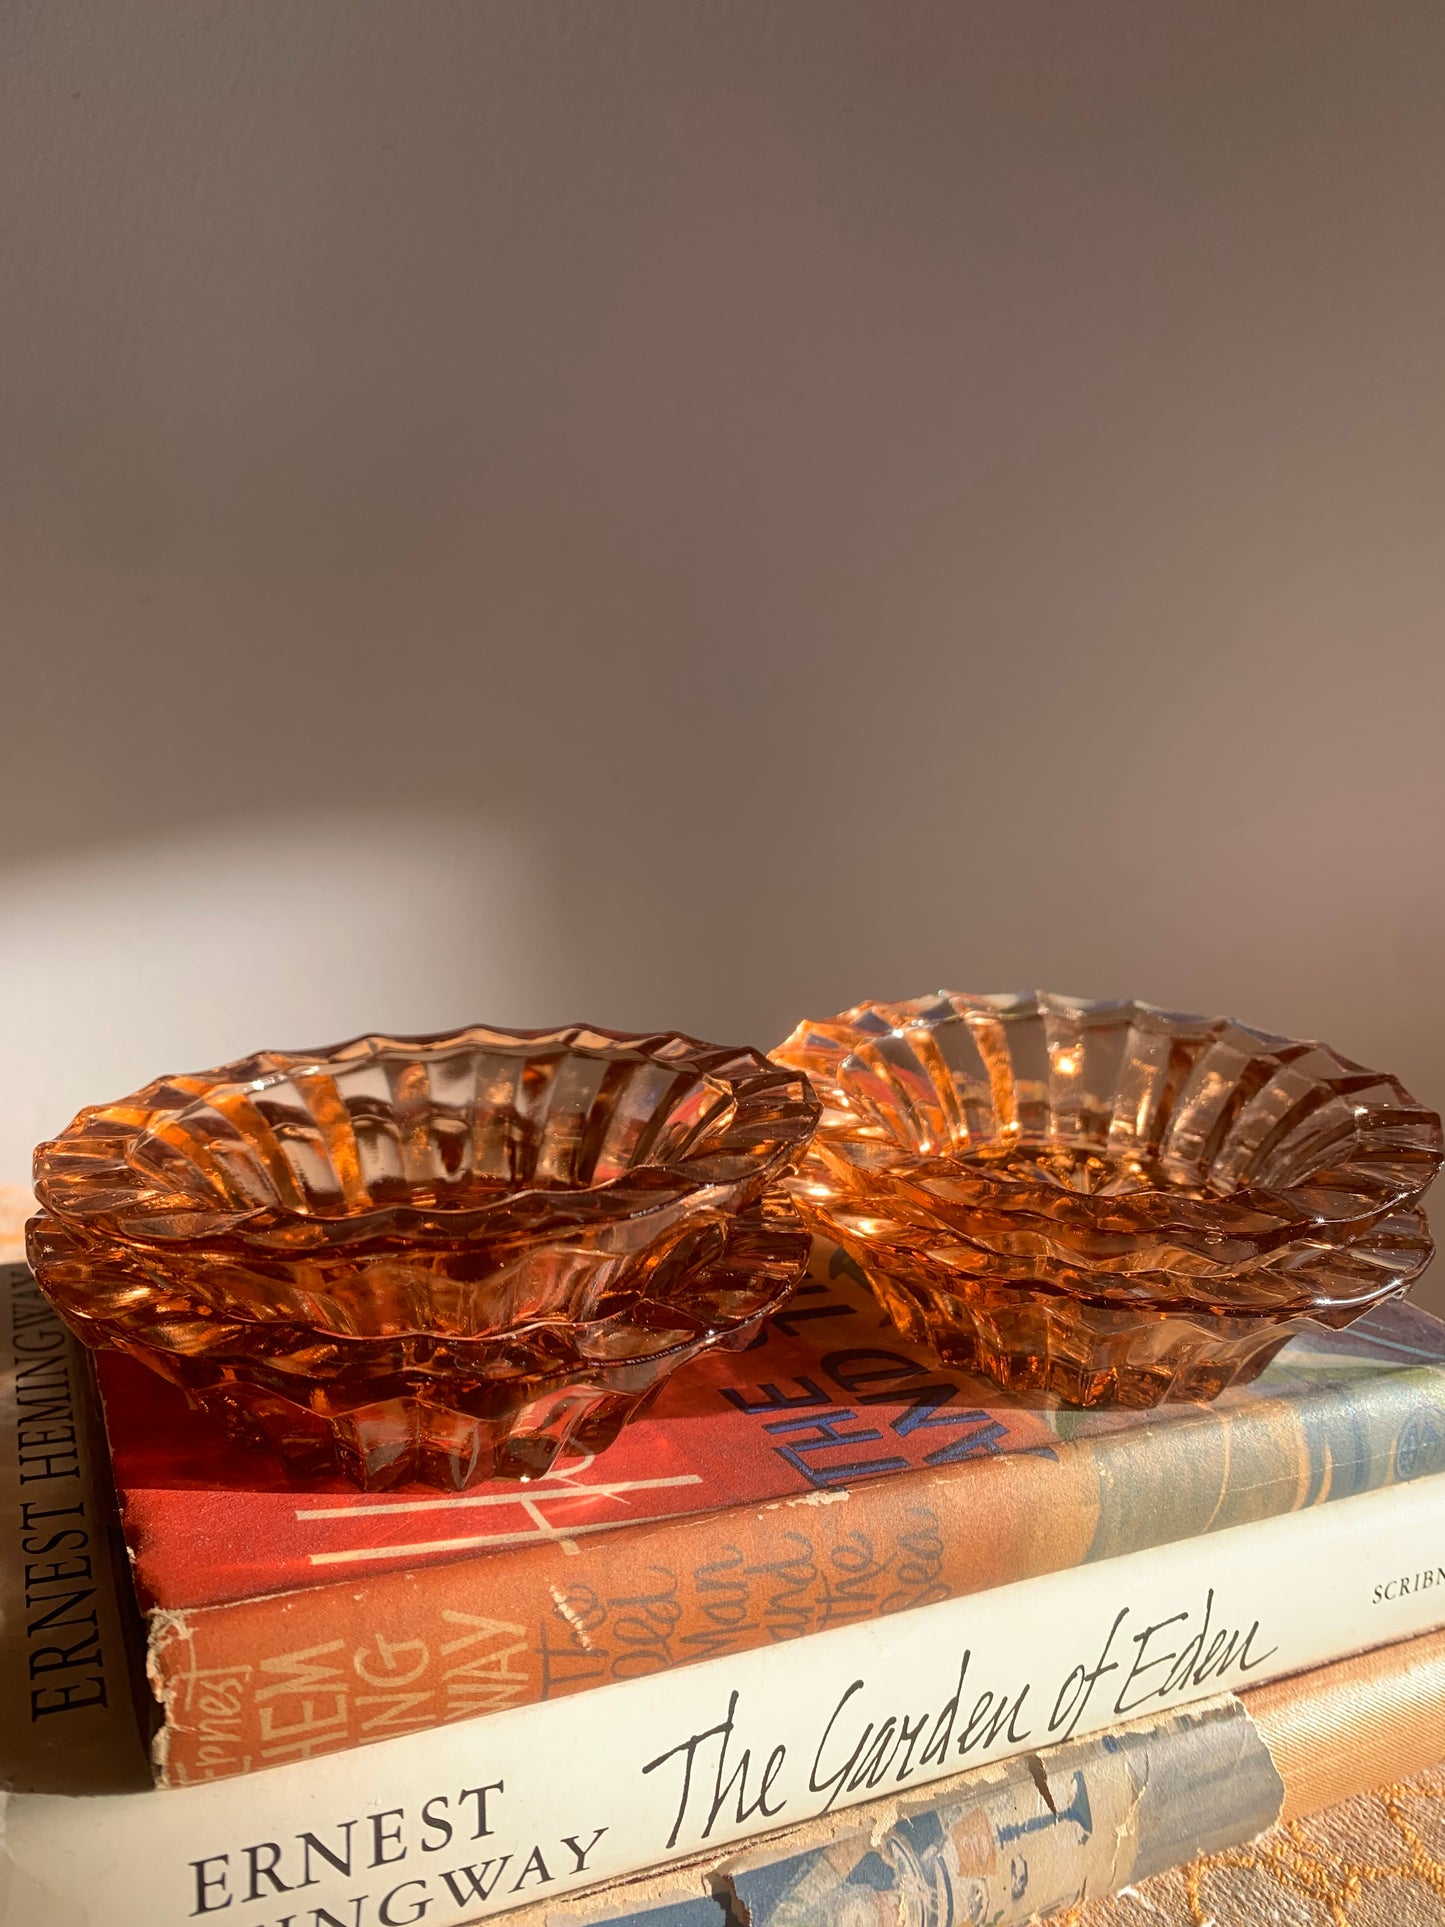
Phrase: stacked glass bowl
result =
(441, 1258)
(1105, 1201)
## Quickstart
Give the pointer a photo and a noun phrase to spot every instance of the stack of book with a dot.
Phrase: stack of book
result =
(834, 1635)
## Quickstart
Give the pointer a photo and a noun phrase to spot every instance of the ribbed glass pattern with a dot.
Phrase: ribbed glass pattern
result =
(445, 1257)
(1107, 1199)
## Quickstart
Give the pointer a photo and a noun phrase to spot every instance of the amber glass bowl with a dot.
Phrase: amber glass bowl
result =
(1107, 1201)
(442, 1258)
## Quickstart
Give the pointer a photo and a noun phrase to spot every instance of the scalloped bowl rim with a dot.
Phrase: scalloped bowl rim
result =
(122, 1257)
(1228, 1208)
(398, 1221)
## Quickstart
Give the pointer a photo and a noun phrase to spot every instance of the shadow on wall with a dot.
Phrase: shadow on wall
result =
(121, 964)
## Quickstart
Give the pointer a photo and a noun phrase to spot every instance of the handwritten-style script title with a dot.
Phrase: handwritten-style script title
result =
(732, 1776)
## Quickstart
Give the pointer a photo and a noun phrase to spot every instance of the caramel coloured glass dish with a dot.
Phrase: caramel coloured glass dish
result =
(440, 1259)
(1105, 1201)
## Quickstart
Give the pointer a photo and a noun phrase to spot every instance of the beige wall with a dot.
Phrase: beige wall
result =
(774, 504)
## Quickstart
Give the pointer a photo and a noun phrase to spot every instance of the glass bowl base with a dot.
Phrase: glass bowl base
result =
(421, 1440)
(1032, 1340)
(406, 1441)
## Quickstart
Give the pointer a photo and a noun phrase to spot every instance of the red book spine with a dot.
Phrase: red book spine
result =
(257, 1681)
(912, 1496)
(294, 1675)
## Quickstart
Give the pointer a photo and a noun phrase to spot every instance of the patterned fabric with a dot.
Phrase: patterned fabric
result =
(1374, 1861)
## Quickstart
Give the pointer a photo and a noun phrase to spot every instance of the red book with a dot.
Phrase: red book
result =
(829, 1473)
(831, 1396)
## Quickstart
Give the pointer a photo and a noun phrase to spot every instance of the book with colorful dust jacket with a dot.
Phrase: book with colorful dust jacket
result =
(482, 1816)
(1048, 1830)
(831, 1474)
